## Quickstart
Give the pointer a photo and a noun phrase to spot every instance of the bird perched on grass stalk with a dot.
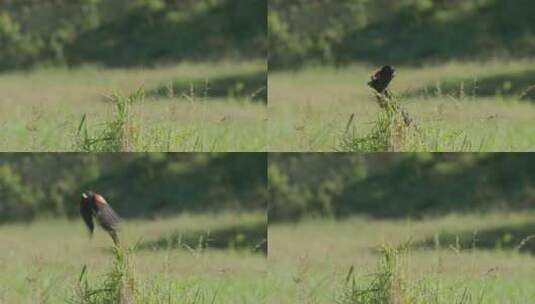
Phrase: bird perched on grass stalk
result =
(381, 79)
(379, 82)
(93, 205)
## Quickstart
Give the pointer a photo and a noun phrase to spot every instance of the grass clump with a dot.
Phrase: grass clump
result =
(390, 131)
(118, 285)
(387, 285)
(118, 134)
(121, 286)
(391, 284)
(395, 130)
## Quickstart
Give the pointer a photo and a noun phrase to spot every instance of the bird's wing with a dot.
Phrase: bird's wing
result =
(107, 218)
(85, 211)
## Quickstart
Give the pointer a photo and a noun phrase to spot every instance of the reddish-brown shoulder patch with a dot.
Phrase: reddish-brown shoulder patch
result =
(99, 199)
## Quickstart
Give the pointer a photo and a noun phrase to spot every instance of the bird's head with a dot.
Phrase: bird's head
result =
(388, 70)
(87, 196)
(92, 197)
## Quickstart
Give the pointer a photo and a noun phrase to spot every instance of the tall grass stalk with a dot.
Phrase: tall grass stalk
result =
(117, 135)
(120, 285)
(391, 284)
(387, 285)
(117, 286)
(395, 130)
(388, 133)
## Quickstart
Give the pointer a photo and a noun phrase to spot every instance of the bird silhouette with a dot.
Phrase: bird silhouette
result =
(93, 205)
(381, 79)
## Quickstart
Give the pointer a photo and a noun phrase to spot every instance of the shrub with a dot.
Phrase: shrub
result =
(17, 199)
(16, 48)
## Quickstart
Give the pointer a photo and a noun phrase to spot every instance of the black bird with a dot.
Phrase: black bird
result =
(379, 82)
(381, 79)
(94, 205)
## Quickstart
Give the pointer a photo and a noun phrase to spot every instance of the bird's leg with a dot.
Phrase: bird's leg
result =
(381, 100)
(114, 237)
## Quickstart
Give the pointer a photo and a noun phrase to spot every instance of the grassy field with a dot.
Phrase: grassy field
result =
(468, 106)
(186, 107)
(451, 259)
(42, 262)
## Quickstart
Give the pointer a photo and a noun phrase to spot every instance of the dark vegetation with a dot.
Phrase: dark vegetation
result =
(252, 237)
(398, 186)
(252, 86)
(137, 185)
(129, 33)
(519, 85)
(507, 237)
(397, 32)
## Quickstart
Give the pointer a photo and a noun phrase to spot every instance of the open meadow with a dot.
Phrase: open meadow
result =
(407, 228)
(463, 76)
(190, 258)
(470, 258)
(457, 106)
(124, 76)
(182, 107)
(167, 228)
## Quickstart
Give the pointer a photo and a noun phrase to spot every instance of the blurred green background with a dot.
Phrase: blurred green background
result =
(397, 31)
(129, 33)
(37, 185)
(398, 185)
